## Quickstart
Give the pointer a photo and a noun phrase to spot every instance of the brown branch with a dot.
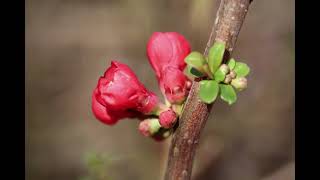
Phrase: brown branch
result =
(230, 17)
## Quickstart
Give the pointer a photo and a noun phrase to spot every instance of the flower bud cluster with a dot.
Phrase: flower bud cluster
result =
(119, 94)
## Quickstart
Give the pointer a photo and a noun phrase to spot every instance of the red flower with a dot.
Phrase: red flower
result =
(119, 94)
(105, 115)
(166, 53)
(120, 89)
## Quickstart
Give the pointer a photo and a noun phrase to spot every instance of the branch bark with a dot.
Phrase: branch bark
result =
(230, 17)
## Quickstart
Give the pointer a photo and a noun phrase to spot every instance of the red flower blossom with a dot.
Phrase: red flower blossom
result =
(120, 89)
(119, 94)
(166, 53)
(105, 115)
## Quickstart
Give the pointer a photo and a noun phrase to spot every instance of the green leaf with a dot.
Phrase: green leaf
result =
(228, 94)
(187, 72)
(209, 90)
(215, 56)
(195, 72)
(195, 59)
(241, 69)
(231, 63)
(219, 75)
(192, 72)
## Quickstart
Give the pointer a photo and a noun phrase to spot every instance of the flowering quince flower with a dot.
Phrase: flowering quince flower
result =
(120, 94)
(166, 52)
(105, 115)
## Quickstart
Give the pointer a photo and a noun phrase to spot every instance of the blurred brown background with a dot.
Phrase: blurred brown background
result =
(69, 44)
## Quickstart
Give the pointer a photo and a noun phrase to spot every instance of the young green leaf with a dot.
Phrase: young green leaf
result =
(187, 72)
(192, 72)
(228, 94)
(219, 75)
(209, 90)
(241, 69)
(231, 63)
(215, 56)
(196, 60)
(195, 72)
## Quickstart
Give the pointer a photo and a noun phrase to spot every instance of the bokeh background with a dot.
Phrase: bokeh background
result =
(69, 44)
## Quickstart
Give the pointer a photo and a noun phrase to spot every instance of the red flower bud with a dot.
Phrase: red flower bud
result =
(149, 127)
(167, 118)
(174, 84)
(167, 49)
(166, 53)
(144, 128)
(120, 90)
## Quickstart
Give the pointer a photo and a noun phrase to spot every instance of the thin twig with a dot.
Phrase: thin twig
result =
(230, 16)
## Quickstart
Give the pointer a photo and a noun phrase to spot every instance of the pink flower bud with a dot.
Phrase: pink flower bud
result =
(166, 52)
(119, 90)
(240, 83)
(167, 118)
(149, 127)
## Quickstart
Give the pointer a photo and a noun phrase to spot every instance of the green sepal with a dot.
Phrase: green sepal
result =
(154, 126)
(228, 94)
(209, 90)
(215, 56)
